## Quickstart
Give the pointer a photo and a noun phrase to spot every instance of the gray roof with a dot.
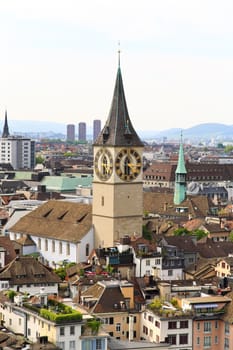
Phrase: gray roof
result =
(118, 130)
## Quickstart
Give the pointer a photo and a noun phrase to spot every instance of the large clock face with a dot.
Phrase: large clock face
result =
(128, 164)
(103, 164)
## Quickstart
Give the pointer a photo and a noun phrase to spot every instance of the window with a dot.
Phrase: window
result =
(157, 324)
(99, 344)
(72, 330)
(61, 345)
(227, 328)
(172, 339)
(29, 331)
(216, 339)
(72, 345)
(62, 331)
(145, 330)
(150, 318)
(39, 243)
(87, 249)
(20, 321)
(148, 262)
(46, 245)
(60, 247)
(184, 324)
(226, 343)
(207, 341)
(118, 327)
(216, 324)
(151, 333)
(10, 321)
(198, 326)
(172, 325)
(183, 338)
(198, 340)
(102, 201)
(67, 248)
(170, 273)
(207, 327)
(53, 246)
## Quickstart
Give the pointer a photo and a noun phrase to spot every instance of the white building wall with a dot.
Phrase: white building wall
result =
(158, 329)
(4, 285)
(2, 258)
(35, 289)
(165, 275)
(87, 240)
(29, 249)
(145, 266)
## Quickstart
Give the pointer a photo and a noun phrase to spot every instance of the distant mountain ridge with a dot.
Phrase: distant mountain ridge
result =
(200, 131)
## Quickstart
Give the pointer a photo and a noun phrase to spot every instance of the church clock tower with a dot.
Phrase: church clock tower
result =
(117, 184)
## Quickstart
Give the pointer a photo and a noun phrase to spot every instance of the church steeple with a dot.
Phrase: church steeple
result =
(5, 132)
(180, 177)
(118, 130)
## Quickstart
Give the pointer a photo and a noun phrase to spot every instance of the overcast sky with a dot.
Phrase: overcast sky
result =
(59, 60)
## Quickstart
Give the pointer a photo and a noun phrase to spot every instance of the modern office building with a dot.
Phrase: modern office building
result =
(96, 128)
(70, 132)
(82, 131)
(16, 150)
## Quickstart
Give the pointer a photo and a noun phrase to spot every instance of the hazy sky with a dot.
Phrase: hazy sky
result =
(59, 60)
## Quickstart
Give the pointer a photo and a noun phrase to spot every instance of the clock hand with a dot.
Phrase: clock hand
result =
(133, 167)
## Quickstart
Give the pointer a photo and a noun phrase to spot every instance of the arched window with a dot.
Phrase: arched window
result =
(67, 248)
(60, 247)
(87, 249)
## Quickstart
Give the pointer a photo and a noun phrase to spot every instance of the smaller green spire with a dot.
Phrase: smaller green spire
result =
(181, 162)
(180, 177)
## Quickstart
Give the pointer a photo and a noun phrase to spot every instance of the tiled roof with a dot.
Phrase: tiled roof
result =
(108, 298)
(24, 270)
(212, 249)
(62, 220)
(184, 243)
(163, 204)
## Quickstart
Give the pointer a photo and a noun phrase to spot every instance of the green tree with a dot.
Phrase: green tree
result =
(231, 236)
(199, 234)
(181, 232)
(146, 233)
(228, 149)
(61, 272)
(39, 160)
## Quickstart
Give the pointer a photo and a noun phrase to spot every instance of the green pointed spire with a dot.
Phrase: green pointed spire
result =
(180, 177)
(181, 163)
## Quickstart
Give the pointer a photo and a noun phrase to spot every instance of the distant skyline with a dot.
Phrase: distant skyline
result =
(59, 61)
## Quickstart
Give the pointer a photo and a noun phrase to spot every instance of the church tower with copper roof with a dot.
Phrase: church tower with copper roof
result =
(117, 184)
